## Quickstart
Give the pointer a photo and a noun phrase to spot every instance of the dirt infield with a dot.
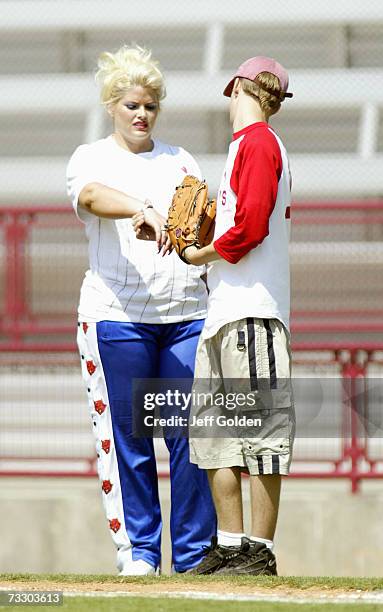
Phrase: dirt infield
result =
(168, 587)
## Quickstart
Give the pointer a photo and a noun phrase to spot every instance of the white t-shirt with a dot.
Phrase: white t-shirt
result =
(127, 280)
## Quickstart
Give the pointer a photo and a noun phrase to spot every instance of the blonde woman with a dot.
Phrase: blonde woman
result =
(140, 315)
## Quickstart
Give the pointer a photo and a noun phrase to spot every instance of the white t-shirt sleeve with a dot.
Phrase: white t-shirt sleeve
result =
(81, 170)
(191, 164)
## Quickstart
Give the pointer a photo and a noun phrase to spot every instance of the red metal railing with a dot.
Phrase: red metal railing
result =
(354, 462)
(17, 319)
(18, 322)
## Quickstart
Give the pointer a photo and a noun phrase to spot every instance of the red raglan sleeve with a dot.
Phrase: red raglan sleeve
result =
(254, 180)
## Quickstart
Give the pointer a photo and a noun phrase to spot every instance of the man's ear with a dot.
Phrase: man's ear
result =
(236, 87)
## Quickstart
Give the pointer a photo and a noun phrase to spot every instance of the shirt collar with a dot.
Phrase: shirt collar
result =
(250, 128)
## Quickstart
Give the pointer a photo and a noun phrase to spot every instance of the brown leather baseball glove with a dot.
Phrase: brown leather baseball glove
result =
(191, 216)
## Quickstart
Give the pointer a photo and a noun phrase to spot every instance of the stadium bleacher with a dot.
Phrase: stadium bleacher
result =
(333, 127)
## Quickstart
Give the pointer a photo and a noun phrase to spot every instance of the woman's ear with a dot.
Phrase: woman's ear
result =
(110, 110)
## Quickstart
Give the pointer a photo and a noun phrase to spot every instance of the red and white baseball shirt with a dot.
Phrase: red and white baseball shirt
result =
(252, 232)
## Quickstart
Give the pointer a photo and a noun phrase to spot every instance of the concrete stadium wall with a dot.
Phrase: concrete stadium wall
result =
(57, 525)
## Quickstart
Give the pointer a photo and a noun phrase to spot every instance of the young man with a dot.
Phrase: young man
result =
(246, 336)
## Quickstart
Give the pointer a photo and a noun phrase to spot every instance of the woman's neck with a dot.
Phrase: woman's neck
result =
(134, 147)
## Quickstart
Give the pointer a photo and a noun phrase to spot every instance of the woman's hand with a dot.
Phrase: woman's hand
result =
(150, 225)
(142, 229)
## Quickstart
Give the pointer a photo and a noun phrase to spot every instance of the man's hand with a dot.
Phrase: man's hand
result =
(190, 254)
(199, 257)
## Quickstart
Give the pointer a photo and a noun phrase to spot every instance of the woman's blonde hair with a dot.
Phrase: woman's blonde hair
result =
(128, 67)
(267, 89)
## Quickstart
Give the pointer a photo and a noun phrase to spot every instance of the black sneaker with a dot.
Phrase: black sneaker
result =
(254, 558)
(217, 557)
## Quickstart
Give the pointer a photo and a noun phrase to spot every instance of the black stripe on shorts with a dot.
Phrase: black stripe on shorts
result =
(270, 350)
(275, 464)
(260, 464)
(251, 354)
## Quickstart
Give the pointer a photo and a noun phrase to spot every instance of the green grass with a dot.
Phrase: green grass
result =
(163, 604)
(297, 582)
(138, 604)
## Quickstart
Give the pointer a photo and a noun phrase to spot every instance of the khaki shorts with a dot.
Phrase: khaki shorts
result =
(252, 356)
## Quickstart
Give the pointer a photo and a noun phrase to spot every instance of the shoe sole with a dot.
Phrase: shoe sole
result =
(237, 572)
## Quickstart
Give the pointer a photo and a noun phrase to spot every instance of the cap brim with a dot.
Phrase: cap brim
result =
(229, 88)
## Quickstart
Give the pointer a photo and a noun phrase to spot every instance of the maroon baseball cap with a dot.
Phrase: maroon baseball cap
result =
(252, 67)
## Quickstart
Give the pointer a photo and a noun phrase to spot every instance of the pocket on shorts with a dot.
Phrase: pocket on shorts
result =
(270, 399)
(271, 433)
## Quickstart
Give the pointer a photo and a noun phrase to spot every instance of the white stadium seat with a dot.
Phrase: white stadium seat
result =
(332, 127)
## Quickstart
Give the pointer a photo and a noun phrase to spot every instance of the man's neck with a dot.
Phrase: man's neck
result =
(247, 113)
